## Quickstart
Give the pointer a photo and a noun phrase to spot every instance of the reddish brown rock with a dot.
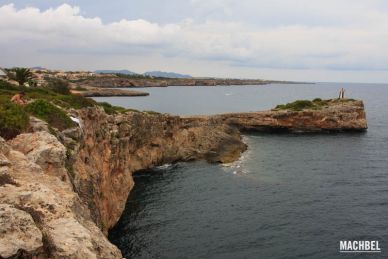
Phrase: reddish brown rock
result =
(66, 217)
(336, 116)
(40, 215)
(100, 92)
(113, 147)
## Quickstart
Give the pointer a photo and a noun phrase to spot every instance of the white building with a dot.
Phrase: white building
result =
(3, 74)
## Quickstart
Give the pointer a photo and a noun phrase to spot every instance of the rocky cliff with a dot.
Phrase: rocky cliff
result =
(40, 214)
(58, 199)
(60, 194)
(113, 147)
(334, 116)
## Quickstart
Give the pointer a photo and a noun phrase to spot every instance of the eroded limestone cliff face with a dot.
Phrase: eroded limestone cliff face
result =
(336, 116)
(60, 194)
(58, 199)
(113, 147)
(40, 214)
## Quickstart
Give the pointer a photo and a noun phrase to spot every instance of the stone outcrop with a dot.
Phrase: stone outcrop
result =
(113, 147)
(103, 92)
(40, 214)
(57, 201)
(336, 116)
(60, 195)
(19, 234)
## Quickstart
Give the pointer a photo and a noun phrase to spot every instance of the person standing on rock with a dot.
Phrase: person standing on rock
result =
(341, 94)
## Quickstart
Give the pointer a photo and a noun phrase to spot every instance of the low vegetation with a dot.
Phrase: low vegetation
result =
(81, 89)
(111, 109)
(133, 76)
(300, 105)
(48, 103)
(152, 112)
(13, 119)
(59, 86)
(50, 113)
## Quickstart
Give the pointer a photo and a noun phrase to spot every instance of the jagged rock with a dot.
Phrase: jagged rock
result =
(18, 233)
(65, 226)
(37, 125)
(92, 92)
(4, 161)
(115, 146)
(4, 148)
(73, 217)
(43, 149)
(337, 116)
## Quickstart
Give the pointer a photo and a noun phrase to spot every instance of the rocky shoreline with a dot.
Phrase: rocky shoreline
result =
(103, 92)
(114, 81)
(60, 192)
(335, 116)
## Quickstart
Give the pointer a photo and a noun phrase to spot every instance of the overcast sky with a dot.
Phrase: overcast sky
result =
(306, 40)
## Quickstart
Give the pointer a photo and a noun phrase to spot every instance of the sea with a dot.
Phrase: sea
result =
(289, 195)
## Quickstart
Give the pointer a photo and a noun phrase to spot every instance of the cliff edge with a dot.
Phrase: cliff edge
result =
(59, 198)
(299, 117)
(60, 194)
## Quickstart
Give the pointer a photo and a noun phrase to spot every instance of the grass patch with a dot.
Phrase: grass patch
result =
(80, 88)
(48, 112)
(57, 94)
(111, 109)
(59, 86)
(152, 112)
(300, 105)
(13, 119)
(7, 86)
(75, 101)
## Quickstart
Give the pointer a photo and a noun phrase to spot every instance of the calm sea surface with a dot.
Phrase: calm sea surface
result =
(289, 196)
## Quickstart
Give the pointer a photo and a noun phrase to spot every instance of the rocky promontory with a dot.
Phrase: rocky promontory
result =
(60, 194)
(320, 116)
(61, 191)
(104, 92)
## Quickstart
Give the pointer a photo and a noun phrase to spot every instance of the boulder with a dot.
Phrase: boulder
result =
(18, 233)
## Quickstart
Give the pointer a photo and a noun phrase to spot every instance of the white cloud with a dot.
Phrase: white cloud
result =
(351, 36)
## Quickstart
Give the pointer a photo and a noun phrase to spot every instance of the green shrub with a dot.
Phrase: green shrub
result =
(152, 112)
(13, 119)
(297, 105)
(110, 109)
(300, 105)
(318, 102)
(76, 101)
(81, 89)
(131, 110)
(53, 115)
(59, 86)
(7, 86)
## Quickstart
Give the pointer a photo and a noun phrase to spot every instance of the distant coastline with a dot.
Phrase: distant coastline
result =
(121, 81)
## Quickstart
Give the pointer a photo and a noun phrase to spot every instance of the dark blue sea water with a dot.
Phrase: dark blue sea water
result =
(289, 196)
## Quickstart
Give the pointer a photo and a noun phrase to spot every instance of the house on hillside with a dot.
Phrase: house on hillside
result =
(3, 75)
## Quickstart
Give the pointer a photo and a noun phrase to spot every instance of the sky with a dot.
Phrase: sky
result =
(300, 40)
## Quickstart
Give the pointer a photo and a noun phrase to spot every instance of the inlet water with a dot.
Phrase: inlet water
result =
(289, 196)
